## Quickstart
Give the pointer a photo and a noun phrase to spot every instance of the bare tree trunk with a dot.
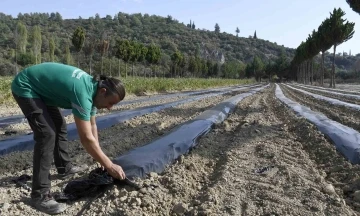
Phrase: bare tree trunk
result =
(90, 65)
(312, 71)
(110, 67)
(125, 69)
(119, 69)
(322, 76)
(332, 80)
(102, 60)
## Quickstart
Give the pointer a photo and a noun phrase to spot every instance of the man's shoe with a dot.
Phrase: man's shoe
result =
(72, 171)
(48, 205)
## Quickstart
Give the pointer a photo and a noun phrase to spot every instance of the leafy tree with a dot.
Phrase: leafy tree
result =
(217, 28)
(103, 47)
(153, 55)
(324, 44)
(89, 49)
(135, 53)
(258, 67)
(52, 47)
(36, 42)
(78, 40)
(340, 33)
(237, 31)
(21, 37)
(68, 59)
(176, 58)
(354, 5)
(123, 51)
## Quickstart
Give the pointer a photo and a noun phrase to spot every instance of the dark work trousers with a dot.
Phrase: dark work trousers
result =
(50, 136)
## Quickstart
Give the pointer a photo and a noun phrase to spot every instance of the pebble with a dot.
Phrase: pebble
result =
(357, 196)
(134, 193)
(143, 190)
(153, 174)
(122, 199)
(329, 189)
(180, 209)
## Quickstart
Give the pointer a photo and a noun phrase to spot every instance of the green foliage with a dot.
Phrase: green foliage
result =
(21, 37)
(331, 32)
(52, 47)
(78, 38)
(237, 31)
(37, 42)
(138, 84)
(340, 31)
(5, 90)
(354, 5)
(217, 28)
(207, 50)
(153, 54)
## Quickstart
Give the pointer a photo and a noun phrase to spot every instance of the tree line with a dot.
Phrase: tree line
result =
(332, 32)
(130, 52)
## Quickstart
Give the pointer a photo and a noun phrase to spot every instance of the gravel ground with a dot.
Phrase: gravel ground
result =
(305, 175)
(344, 115)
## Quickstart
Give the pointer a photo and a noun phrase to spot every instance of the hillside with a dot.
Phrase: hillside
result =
(210, 46)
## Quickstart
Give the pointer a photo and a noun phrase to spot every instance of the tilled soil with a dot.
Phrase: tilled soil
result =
(338, 97)
(262, 160)
(342, 114)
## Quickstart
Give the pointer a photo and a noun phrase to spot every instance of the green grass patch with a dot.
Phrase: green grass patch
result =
(5, 91)
(140, 85)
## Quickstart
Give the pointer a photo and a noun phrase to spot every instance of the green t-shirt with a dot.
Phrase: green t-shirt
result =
(58, 85)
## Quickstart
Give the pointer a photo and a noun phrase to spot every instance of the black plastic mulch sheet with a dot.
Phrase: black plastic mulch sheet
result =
(346, 139)
(155, 156)
(26, 142)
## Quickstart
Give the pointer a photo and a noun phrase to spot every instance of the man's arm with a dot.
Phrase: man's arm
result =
(94, 128)
(92, 146)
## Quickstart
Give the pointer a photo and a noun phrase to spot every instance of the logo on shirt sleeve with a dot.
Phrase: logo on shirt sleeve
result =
(78, 108)
(77, 73)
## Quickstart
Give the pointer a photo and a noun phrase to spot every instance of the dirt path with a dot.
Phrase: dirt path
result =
(306, 175)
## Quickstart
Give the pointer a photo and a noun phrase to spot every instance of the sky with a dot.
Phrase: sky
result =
(285, 22)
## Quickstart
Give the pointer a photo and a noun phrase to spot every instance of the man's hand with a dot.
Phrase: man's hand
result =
(116, 171)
